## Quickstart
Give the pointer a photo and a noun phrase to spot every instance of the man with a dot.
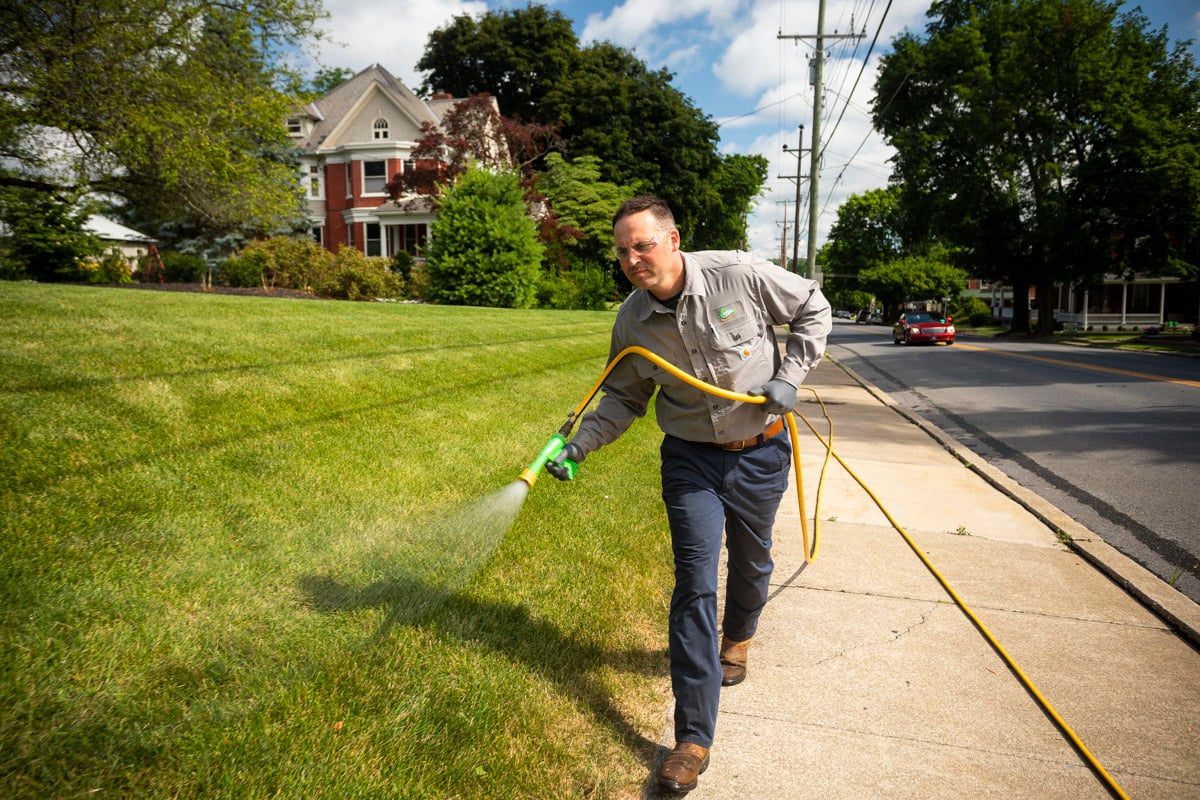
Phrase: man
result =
(725, 464)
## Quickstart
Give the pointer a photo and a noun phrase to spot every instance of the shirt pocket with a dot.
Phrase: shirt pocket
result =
(731, 327)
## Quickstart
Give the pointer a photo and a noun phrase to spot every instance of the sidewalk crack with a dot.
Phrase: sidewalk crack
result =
(897, 635)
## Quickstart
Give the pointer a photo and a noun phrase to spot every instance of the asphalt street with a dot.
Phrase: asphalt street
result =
(1109, 437)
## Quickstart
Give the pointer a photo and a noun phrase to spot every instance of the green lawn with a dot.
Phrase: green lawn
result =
(256, 547)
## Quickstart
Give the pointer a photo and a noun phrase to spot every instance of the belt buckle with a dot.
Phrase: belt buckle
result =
(736, 447)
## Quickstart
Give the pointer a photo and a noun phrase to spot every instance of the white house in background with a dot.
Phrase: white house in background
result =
(352, 142)
(131, 244)
(1143, 301)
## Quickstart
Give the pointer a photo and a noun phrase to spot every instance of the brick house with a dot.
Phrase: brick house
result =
(352, 141)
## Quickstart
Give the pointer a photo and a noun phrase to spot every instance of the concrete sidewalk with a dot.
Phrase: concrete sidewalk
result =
(867, 681)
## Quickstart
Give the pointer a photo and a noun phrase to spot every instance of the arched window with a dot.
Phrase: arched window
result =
(381, 128)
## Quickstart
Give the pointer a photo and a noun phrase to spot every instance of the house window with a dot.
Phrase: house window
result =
(295, 126)
(374, 241)
(381, 128)
(374, 177)
(314, 181)
(318, 236)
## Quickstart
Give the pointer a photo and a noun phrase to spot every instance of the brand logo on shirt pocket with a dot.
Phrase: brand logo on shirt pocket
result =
(725, 312)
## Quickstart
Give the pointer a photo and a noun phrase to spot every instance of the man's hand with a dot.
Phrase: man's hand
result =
(781, 396)
(557, 468)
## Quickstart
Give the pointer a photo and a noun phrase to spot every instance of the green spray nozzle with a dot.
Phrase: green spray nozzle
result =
(550, 451)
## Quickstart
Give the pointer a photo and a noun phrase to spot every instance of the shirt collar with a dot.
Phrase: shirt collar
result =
(692, 285)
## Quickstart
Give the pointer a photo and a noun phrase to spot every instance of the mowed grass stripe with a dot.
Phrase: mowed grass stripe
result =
(220, 514)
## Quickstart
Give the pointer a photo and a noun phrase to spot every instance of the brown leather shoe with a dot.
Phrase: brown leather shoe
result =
(682, 767)
(733, 661)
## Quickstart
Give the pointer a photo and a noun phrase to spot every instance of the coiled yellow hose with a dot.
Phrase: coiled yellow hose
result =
(810, 553)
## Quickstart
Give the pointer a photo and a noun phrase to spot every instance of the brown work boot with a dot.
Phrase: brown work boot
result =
(733, 661)
(682, 767)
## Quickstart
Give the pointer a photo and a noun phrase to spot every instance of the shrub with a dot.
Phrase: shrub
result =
(238, 271)
(971, 308)
(556, 291)
(354, 276)
(113, 267)
(483, 249)
(416, 284)
(178, 268)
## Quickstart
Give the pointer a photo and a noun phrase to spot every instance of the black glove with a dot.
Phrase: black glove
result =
(557, 468)
(781, 396)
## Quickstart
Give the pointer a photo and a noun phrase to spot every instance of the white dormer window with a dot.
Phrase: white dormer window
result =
(381, 128)
(295, 126)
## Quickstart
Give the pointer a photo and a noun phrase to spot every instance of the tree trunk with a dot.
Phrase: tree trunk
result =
(1020, 301)
(1045, 301)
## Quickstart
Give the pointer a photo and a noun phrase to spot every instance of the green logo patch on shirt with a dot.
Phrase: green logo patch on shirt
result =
(725, 312)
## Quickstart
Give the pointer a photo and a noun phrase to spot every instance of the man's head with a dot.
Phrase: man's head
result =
(646, 243)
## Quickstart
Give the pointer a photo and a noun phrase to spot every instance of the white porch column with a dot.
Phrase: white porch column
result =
(1086, 305)
(1124, 300)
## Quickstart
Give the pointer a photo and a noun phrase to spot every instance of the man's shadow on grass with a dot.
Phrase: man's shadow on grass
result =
(557, 656)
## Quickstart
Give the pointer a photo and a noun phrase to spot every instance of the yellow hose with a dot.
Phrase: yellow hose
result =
(810, 554)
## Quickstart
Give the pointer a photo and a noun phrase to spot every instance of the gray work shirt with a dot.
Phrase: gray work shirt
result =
(722, 332)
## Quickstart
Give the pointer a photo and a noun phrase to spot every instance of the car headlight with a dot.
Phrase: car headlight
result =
(949, 329)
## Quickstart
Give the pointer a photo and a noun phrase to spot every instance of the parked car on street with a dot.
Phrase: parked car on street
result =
(842, 313)
(921, 326)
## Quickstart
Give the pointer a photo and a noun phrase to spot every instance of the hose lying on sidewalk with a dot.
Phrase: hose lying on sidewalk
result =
(810, 551)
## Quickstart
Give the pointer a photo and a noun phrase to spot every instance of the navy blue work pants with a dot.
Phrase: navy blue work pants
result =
(709, 492)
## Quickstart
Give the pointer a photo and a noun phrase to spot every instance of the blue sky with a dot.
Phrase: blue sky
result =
(726, 56)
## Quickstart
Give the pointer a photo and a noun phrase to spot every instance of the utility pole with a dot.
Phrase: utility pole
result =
(783, 239)
(814, 170)
(796, 226)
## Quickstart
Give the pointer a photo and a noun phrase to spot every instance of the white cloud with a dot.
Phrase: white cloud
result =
(395, 40)
(642, 25)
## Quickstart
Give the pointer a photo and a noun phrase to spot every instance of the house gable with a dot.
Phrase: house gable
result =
(350, 111)
(375, 104)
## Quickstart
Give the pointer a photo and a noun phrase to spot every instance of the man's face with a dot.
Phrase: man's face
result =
(649, 257)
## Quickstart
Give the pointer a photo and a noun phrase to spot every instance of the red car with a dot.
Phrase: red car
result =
(921, 326)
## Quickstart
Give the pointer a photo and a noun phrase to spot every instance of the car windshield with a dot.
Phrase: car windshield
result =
(919, 318)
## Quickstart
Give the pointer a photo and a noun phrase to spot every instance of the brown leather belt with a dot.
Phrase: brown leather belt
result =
(753, 441)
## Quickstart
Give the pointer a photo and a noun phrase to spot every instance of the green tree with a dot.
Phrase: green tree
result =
(483, 249)
(737, 181)
(580, 199)
(912, 278)
(327, 79)
(646, 132)
(45, 239)
(1048, 141)
(578, 236)
(604, 102)
(516, 55)
(174, 107)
